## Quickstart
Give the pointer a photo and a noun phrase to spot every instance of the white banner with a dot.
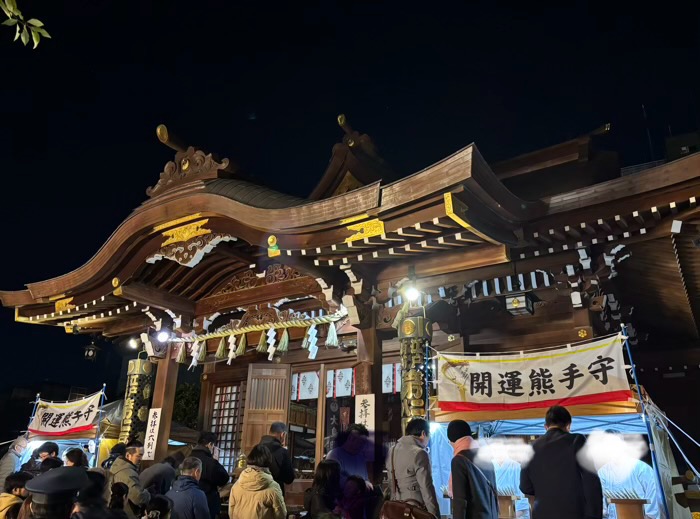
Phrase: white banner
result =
(295, 386)
(308, 385)
(364, 411)
(63, 418)
(343, 382)
(572, 375)
(330, 381)
(149, 445)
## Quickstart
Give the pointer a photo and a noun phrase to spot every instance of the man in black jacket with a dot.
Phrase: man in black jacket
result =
(473, 482)
(560, 485)
(282, 471)
(214, 475)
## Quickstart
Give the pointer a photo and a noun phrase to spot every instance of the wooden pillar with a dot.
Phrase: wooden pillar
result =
(371, 346)
(164, 398)
(320, 415)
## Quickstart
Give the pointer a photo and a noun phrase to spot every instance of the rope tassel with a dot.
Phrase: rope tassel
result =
(182, 353)
(221, 350)
(305, 341)
(241, 346)
(262, 343)
(332, 337)
(202, 351)
(284, 341)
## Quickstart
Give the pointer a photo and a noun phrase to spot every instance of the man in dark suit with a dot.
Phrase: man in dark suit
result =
(282, 470)
(562, 488)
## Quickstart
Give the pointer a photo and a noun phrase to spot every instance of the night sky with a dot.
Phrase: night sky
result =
(263, 85)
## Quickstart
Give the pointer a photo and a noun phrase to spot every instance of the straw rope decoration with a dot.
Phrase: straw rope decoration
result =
(284, 341)
(202, 351)
(221, 350)
(241, 345)
(182, 353)
(332, 337)
(305, 342)
(262, 343)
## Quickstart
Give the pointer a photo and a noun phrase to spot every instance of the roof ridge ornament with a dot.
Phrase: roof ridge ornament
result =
(190, 164)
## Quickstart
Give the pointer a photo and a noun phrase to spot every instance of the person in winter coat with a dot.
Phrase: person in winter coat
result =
(159, 477)
(117, 501)
(214, 475)
(409, 463)
(189, 502)
(560, 485)
(118, 450)
(125, 470)
(255, 494)
(13, 493)
(472, 483)
(10, 461)
(322, 499)
(45, 450)
(281, 469)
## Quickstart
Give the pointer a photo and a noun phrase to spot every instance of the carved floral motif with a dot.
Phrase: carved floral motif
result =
(248, 279)
(190, 252)
(189, 164)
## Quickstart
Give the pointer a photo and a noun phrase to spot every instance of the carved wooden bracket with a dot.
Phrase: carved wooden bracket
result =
(190, 252)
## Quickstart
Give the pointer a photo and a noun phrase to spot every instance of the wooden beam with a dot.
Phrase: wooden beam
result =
(127, 325)
(155, 298)
(443, 263)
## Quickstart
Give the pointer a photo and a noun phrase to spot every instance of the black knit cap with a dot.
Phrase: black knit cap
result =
(458, 429)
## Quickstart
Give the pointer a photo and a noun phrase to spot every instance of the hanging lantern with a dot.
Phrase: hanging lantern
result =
(91, 351)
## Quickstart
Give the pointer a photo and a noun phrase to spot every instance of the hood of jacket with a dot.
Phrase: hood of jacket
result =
(185, 483)
(254, 480)
(7, 501)
(121, 465)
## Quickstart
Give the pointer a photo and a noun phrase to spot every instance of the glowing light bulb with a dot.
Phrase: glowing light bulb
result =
(163, 336)
(412, 294)
(133, 344)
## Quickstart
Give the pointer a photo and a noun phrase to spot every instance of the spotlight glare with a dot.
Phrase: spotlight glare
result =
(412, 294)
(133, 344)
(163, 336)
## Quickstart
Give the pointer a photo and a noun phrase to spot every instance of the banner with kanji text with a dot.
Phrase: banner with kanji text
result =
(66, 418)
(588, 373)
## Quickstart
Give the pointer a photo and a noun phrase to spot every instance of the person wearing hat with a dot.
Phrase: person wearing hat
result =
(409, 465)
(125, 470)
(118, 450)
(53, 492)
(10, 461)
(472, 483)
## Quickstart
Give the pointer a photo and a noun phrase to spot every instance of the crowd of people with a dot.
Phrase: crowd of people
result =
(555, 481)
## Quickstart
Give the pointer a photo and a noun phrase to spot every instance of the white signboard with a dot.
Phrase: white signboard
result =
(364, 410)
(308, 385)
(572, 375)
(343, 382)
(149, 445)
(63, 418)
(391, 378)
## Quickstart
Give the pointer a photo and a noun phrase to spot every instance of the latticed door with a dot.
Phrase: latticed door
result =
(226, 423)
(267, 401)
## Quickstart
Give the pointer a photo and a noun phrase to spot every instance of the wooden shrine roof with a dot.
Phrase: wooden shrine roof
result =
(208, 240)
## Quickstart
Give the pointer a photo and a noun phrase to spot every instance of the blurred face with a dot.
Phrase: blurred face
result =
(20, 492)
(44, 455)
(351, 489)
(354, 443)
(197, 474)
(136, 457)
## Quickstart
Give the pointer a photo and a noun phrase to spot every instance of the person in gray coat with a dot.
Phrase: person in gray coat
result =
(409, 463)
(10, 461)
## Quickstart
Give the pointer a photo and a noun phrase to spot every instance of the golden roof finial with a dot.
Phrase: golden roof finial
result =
(170, 141)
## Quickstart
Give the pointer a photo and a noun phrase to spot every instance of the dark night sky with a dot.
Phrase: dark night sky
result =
(263, 85)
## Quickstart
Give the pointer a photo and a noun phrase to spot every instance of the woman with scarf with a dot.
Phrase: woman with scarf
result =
(472, 483)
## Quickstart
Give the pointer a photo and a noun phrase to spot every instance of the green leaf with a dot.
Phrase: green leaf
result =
(35, 38)
(17, 32)
(35, 22)
(43, 32)
(5, 9)
(10, 22)
(11, 5)
(25, 35)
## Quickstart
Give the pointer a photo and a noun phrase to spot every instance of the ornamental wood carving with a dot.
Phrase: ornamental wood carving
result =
(191, 164)
(273, 274)
(190, 252)
(264, 316)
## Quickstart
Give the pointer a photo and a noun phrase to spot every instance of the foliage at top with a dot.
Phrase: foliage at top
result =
(186, 406)
(23, 28)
